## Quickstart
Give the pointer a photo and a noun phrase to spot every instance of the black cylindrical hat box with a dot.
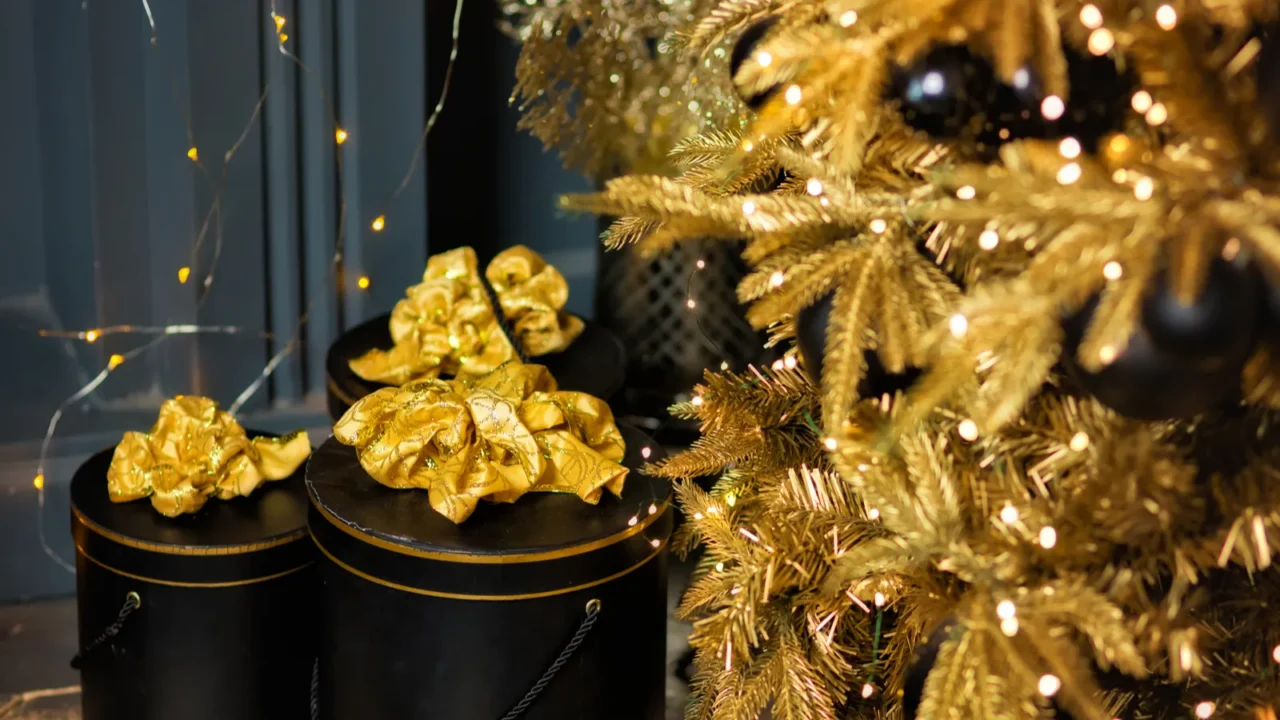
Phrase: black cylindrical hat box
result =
(427, 619)
(207, 616)
(594, 363)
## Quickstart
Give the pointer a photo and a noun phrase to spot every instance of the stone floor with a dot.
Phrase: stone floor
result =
(38, 639)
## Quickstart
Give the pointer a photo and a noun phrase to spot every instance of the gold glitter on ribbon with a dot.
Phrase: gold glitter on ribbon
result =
(446, 325)
(495, 436)
(196, 451)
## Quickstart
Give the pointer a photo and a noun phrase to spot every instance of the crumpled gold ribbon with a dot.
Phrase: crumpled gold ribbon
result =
(196, 451)
(446, 324)
(495, 436)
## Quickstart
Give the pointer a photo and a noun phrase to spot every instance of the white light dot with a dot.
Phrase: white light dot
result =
(777, 278)
(764, 59)
(1091, 16)
(655, 542)
(1049, 685)
(730, 499)
(1069, 148)
(789, 361)
(645, 452)
(719, 567)
(697, 401)
(867, 691)
(814, 186)
(724, 365)
(1106, 354)
(966, 193)
(1048, 537)
(874, 514)
(1009, 627)
(1101, 41)
(1006, 609)
(1021, 81)
(879, 599)
(697, 516)
(1141, 101)
(777, 364)
(1166, 17)
(653, 508)
(1052, 107)
(1144, 188)
(848, 17)
(1205, 709)
(1157, 114)
(794, 93)
(878, 226)
(968, 430)
(1230, 249)
(691, 303)
(1069, 173)
(1079, 442)
(988, 240)
(959, 325)
(1112, 270)
(701, 264)
(1009, 515)
(1275, 653)
(748, 207)
(632, 522)
(830, 443)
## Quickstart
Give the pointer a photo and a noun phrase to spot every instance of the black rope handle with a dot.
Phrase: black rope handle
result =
(503, 323)
(315, 690)
(593, 612)
(132, 601)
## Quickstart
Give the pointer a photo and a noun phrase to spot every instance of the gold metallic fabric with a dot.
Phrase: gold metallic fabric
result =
(196, 451)
(494, 437)
(446, 325)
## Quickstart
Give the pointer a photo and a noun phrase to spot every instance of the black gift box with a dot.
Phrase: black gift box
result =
(423, 618)
(593, 364)
(208, 616)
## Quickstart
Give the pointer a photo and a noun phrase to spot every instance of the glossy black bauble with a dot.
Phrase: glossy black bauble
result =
(951, 93)
(1148, 383)
(811, 340)
(746, 43)
(1222, 322)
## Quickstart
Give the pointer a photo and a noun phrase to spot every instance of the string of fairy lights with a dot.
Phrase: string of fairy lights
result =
(212, 220)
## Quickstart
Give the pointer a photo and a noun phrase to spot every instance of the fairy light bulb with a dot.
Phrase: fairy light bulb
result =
(691, 303)
(777, 278)
(645, 452)
(748, 208)
(1069, 148)
(764, 59)
(1166, 17)
(340, 136)
(1009, 515)
(1275, 653)
(1049, 685)
(653, 509)
(830, 443)
(1005, 609)
(968, 430)
(184, 273)
(719, 567)
(1101, 41)
(879, 599)
(730, 499)
(1052, 107)
(701, 264)
(878, 226)
(958, 325)
(1048, 537)
(814, 187)
(867, 691)
(655, 542)
(1141, 101)
(988, 240)
(794, 95)
(1205, 709)
(789, 362)
(1091, 16)
(848, 18)
(1068, 174)
(92, 336)
(697, 401)
(194, 154)
(1009, 626)
(1079, 442)
(777, 364)
(38, 481)
(874, 514)
(114, 361)
(632, 522)
(379, 223)
(1157, 115)
(1144, 188)
(363, 282)
(1112, 270)
(1106, 354)
(966, 192)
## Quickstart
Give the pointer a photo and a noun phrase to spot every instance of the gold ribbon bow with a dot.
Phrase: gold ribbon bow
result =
(496, 436)
(196, 451)
(446, 324)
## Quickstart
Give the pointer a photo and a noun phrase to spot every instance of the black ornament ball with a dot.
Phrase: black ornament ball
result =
(922, 661)
(746, 43)
(1180, 361)
(811, 340)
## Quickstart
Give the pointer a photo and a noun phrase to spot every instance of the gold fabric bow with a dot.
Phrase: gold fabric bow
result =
(196, 451)
(446, 324)
(496, 436)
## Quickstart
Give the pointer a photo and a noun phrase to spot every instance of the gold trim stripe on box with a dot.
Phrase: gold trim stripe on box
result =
(460, 596)
(184, 550)
(175, 583)
(495, 559)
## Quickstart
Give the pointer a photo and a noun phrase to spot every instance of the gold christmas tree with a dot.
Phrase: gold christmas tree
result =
(1066, 217)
